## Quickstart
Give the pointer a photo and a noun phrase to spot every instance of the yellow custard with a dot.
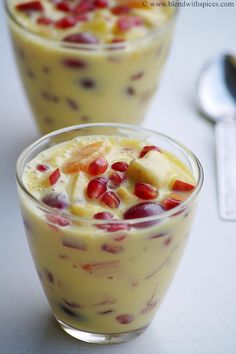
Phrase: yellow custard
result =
(102, 269)
(98, 65)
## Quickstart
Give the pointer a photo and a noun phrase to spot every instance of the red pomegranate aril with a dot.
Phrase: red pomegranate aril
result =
(103, 215)
(112, 248)
(117, 227)
(117, 178)
(80, 17)
(74, 63)
(84, 6)
(120, 166)
(30, 6)
(65, 22)
(42, 20)
(56, 200)
(82, 38)
(57, 219)
(42, 168)
(120, 10)
(54, 177)
(63, 6)
(125, 23)
(148, 148)
(98, 167)
(170, 203)
(101, 3)
(125, 318)
(96, 187)
(145, 191)
(182, 186)
(111, 199)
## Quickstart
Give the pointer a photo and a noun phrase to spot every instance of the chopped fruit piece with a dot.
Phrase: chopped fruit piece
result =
(145, 191)
(170, 203)
(83, 156)
(56, 200)
(154, 168)
(149, 307)
(117, 178)
(84, 210)
(101, 3)
(104, 215)
(182, 186)
(120, 166)
(30, 6)
(101, 268)
(120, 10)
(54, 177)
(111, 199)
(63, 6)
(125, 194)
(72, 242)
(113, 227)
(57, 219)
(42, 20)
(74, 63)
(84, 6)
(98, 167)
(125, 319)
(42, 168)
(112, 248)
(65, 22)
(82, 38)
(125, 23)
(96, 187)
(143, 210)
(148, 148)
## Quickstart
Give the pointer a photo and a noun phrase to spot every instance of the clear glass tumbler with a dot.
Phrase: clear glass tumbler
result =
(69, 84)
(106, 297)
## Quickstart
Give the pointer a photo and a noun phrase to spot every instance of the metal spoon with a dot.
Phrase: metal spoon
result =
(216, 99)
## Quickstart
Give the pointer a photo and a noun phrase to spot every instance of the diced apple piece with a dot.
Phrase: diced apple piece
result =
(84, 211)
(76, 187)
(153, 168)
(125, 194)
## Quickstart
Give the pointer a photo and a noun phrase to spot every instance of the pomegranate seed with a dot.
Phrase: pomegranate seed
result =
(117, 178)
(147, 148)
(57, 219)
(111, 199)
(84, 6)
(54, 177)
(96, 187)
(120, 166)
(120, 10)
(56, 200)
(63, 6)
(125, 319)
(42, 20)
(104, 215)
(117, 227)
(98, 167)
(30, 6)
(182, 186)
(83, 38)
(65, 22)
(100, 267)
(80, 17)
(145, 191)
(137, 76)
(101, 3)
(42, 168)
(149, 307)
(125, 23)
(170, 203)
(112, 248)
(74, 63)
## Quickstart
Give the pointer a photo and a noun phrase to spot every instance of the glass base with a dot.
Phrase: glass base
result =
(100, 338)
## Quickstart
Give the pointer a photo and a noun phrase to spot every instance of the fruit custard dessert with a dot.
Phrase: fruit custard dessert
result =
(89, 61)
(109, 230)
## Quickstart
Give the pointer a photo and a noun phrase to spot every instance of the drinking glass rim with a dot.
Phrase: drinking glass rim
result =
(192, 158)
(100, 46)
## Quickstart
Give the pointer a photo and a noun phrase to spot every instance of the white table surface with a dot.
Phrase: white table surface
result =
(198, 315)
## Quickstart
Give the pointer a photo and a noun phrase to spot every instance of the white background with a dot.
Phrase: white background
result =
(198, 315)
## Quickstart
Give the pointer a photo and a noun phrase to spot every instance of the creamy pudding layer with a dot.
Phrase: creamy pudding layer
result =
(102, 269)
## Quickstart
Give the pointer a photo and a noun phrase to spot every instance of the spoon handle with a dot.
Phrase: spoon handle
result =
(226, 167)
